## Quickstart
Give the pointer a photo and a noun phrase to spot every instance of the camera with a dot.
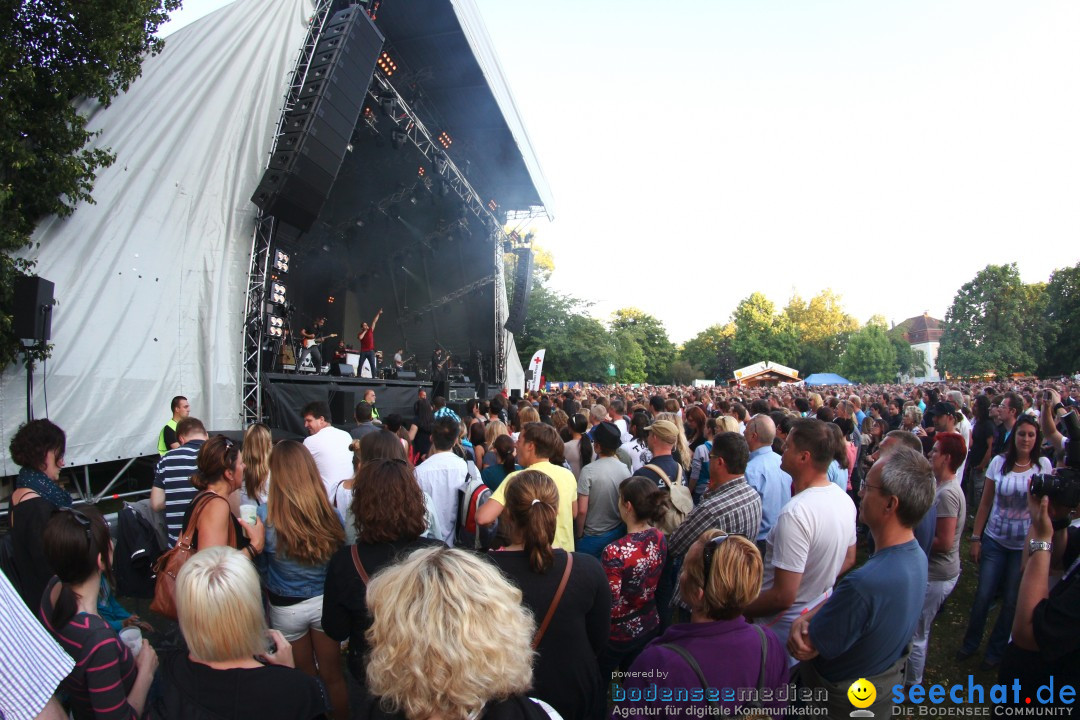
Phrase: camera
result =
(1064, 486)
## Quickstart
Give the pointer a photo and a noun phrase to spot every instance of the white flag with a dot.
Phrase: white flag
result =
(535, 370)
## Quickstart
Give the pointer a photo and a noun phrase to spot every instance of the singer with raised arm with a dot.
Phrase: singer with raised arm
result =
(312, 338)
(366, 336)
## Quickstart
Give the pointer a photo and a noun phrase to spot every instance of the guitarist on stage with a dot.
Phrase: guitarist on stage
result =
(311, 340)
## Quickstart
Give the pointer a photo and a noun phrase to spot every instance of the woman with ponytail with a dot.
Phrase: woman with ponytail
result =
(504, 449)
(577, 445)
(566, 674)
(108, 681)
(633, 565)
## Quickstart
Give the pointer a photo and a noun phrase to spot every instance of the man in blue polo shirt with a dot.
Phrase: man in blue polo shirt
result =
(763, 473)
(863, 629)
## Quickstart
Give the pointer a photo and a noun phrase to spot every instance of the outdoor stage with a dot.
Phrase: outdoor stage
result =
(287, 393)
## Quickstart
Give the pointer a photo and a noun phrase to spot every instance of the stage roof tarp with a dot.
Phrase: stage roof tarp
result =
(826, 379)
(151, 278)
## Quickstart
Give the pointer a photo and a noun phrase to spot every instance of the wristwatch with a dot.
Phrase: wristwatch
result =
(1035, 546)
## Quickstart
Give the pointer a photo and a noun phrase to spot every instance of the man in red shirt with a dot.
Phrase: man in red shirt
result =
(366, 336)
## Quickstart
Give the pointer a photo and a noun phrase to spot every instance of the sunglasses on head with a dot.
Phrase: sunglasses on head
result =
(82, 519)
(707, 556)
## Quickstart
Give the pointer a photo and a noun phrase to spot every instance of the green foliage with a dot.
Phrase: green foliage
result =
(55, 52)
(988, 327)
(870, 356)
(683, 374)
(762, 334)
(710, 352)
(909, 361)
(822, 328)
(651, 336)
(1062, 329)
(630, 359)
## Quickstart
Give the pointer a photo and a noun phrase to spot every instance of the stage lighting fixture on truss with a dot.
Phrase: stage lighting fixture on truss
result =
(277, 294)
(398, 138)
(386, 64)
(281, 261)
(445, 140)
(439, 158)
(275, 326)
(388, 103)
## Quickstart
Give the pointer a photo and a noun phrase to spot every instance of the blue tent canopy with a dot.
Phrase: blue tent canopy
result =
(826, 379)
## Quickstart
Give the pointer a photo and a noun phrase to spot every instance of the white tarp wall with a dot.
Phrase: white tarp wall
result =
(152, 278)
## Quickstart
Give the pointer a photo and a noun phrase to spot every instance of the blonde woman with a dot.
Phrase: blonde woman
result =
(233, 667)
(427, 659)
(302, 533)
(681, 451)
(256, 452)
(494, 429)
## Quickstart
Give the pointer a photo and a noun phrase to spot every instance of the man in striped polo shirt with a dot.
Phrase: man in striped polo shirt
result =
(173, 491)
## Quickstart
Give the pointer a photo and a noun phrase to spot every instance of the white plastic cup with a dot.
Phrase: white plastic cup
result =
(249, 513)
(132, 637)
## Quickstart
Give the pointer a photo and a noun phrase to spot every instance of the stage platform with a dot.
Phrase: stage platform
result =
(286, 394)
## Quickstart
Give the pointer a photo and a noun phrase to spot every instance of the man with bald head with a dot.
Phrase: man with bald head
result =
(763, 473)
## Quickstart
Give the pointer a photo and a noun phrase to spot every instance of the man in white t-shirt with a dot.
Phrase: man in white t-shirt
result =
(813, 540)
(327, 445)
(443, 474)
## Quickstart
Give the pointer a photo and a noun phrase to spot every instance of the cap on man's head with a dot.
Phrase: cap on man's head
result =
(607, 435)
(665, 431)
(944, 408)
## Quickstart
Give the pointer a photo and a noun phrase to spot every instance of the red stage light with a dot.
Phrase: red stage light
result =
(330, 299)
(387, 65)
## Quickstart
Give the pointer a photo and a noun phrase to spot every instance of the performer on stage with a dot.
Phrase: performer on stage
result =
(399, 359)
(366, 336)
(440, 372)
(311, 340)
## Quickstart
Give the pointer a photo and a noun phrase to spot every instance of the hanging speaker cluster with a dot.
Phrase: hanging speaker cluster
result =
(515, 322)
(317, 130)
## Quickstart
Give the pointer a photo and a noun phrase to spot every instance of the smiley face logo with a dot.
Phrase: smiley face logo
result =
(862, 693)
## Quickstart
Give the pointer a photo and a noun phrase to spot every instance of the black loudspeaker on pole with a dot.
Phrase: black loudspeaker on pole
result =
(515, 321)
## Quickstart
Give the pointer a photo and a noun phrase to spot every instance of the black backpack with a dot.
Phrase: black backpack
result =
(137, 549)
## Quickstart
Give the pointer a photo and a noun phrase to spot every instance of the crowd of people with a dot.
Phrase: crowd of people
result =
(572, 554)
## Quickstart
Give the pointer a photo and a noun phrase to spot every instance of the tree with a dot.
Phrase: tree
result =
(651, 336)
(630, 359)
(822, 328)
(986, 328)
(55, 52)
(1062, 330)
(710, 351)
(870, 356)
(761, 334)
(683, 374)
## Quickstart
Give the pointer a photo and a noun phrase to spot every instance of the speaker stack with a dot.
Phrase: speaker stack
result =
(515, 321)
(317, 130)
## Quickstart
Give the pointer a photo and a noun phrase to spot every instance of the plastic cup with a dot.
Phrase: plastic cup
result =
(132, 637)
(249, 513)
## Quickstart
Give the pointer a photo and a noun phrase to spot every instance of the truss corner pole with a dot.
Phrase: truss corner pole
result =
(251, 406)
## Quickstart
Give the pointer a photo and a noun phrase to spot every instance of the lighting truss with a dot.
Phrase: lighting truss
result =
(251, 403)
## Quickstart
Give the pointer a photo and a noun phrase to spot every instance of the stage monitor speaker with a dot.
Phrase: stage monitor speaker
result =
(318, 129)
(406, 375)
(439, 388)
(342, 370)
(343, 406)
(33, 308)
(482, 391)
(515, 321)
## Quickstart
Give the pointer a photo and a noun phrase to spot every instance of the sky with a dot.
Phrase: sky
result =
(702, 150)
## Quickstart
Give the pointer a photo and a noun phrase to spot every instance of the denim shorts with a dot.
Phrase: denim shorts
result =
(294, 621)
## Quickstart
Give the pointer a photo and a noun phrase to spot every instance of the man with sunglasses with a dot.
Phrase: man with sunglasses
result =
(863, 629)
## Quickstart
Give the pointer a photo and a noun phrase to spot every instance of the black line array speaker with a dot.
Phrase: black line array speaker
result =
(515, 321)
(33, 308)
(317, 130)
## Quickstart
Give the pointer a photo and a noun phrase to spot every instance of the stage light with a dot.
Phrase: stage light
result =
(421, 171)
(281, 262)
(492, 205)
(277, 293)
(348, 148)
(440, 162)
(388, 103)
(275, 326)
(398, 138)
(360, 222)
(445, 139)
(330, 299)
(388, 66)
